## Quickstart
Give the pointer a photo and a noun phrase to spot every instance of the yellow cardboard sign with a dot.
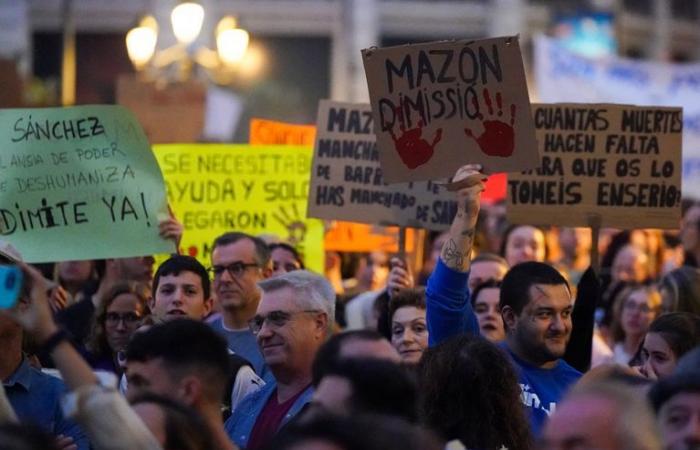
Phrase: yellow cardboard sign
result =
(266, 132)
(215, 188)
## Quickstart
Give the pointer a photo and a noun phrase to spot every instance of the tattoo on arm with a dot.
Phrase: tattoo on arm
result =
(452, 256)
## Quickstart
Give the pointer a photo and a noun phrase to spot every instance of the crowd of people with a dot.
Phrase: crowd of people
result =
(507, 338)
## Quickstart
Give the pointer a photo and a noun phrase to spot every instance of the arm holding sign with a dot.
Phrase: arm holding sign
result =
(103, 412)
(449, 310)
(172, 229)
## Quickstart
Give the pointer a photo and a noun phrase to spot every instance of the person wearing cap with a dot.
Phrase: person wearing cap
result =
(676, 400)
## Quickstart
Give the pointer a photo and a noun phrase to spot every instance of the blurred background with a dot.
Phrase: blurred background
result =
(214, 64)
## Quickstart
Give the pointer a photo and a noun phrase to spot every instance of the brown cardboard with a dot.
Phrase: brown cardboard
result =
(171, 114)
(611, 148)
(441, 105)
(347, 182)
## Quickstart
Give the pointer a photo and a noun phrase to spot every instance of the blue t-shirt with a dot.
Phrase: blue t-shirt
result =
(244, 344)
(449, 313)
(541, 389)
(36, 398)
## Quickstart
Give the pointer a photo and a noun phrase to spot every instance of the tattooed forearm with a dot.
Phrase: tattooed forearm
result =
(454, 257)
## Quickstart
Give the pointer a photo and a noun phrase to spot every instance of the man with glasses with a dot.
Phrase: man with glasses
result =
(238, 262)
(294, 318)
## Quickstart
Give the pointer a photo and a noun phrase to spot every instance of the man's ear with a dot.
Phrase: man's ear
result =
(208, 306)
(321, 323)
(267, 271)
(190, 390)
(510, 319)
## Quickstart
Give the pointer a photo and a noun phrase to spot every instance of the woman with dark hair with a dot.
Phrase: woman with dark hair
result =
(469, 392)
(680, 290)
(118, 317)
(409, 330)
(523, 243)
(670, 337)
(485, 303)
(285, 258)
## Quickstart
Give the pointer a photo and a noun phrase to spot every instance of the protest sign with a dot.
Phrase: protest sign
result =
(79, 183)
(270, 132)
(564, 76)
(175, 114)
(215, 188)
(620, 163)
(348, 184)
(441, 105)
(359, 237)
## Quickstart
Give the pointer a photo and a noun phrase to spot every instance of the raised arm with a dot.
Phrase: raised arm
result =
(449, 311)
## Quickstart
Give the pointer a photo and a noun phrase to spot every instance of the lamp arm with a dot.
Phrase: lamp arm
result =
(167, 56)
(207, 58)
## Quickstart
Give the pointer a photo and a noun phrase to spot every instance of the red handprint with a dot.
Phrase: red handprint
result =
(413, 150)
(498, 138)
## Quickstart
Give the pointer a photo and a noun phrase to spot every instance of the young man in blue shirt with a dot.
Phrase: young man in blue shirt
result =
(535, 300)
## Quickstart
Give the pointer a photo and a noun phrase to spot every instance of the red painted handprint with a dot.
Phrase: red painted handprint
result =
(498, 138)
(413, 150)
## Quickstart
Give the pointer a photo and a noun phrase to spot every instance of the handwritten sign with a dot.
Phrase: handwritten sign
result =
(440, 105)
(619, 162)
(270, 132)
(347, 182)
(215, 188)
(79, 183)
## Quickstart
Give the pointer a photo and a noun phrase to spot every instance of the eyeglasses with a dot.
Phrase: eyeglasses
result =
(129, 318)
(235, 269)
(276, 319)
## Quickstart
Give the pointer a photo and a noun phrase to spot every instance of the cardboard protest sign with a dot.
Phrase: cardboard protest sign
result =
(175, 114)
(79, 183)
(619, 162)
(359, 237)
(441, 105)
(270, 132)
(348, 184)
(215, 188)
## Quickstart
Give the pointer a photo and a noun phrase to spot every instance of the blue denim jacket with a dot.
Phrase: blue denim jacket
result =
(240, 424)
(36, 398)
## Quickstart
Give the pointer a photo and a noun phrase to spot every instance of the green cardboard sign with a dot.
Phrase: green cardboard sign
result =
(79, 183)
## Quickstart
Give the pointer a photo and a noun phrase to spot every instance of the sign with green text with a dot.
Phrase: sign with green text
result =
(79, 183)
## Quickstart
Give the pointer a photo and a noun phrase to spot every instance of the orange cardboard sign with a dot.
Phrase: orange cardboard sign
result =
(358, 237)
(270, 132)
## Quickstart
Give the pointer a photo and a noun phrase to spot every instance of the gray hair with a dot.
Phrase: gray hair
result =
(636, 427)
(312, 291)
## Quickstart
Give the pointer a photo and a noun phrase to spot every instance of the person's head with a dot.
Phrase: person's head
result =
(239, 261)
(536, 305)
(523, 243)
(351, 344)
(174, 425)
(604, 416)
(374, 273)
(74, 274)
(181, 288)
(138, 268)
(630, 265)
(363, 432)
(676, 400)
(575, 242)
(635, 308)
(485, 302)
(484, 267)
(15, 436)
(409, 330)
(690, 229)
(670, 337)
(119, 315)
(181, 359)
(285, 258)
(366, 386)
(295, 316)
(469, 391)
(680, 290)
